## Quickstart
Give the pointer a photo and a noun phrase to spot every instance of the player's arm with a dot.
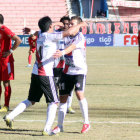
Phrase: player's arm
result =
(16, 44)
(65, 51)
(74, 29)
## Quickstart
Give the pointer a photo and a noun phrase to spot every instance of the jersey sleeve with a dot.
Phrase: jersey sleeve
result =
(7, 31)
(55, 36)
(79, 41)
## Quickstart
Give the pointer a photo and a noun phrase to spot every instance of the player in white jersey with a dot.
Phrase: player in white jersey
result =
(42, 81)
(59, 63)
(74, 76)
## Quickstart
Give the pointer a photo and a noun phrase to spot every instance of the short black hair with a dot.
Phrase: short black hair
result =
(64, 18)
(44, 23)
(1, 19)
(76, 18)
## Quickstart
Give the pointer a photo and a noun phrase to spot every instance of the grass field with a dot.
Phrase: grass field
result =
(112, 91)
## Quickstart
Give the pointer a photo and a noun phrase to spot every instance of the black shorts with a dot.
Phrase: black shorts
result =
(69, 82)
(42, 85)
(57, 74)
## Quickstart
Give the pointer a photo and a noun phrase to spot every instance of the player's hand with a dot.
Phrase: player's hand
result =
(26, 30)
(57, 54)
(5, 54)
(82, 24)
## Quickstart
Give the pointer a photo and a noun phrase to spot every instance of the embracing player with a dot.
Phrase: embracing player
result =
(74, 76)
(42, 80)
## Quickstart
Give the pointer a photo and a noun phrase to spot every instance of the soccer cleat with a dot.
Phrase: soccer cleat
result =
(70, 110)
(85, 128)
(45, 133)
(29, 65)
(4, 109)
(9, 122)
(57, 130)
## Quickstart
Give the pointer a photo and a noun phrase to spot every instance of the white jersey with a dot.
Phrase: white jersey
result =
(46, 47)
(59, 62)
(75, 62)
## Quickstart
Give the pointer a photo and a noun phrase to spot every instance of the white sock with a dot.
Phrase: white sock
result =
(84, 109)
(51, 113)
(61, 114)
(19, 109)
(69, 100)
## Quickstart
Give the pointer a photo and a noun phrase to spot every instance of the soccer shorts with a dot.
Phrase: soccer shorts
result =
(57, 74)
(6, 71)
(43, 85)
(33, 49)
(69, 82)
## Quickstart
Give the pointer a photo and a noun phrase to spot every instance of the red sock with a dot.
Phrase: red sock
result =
(29, 59)
(7, 95)
(139, 59)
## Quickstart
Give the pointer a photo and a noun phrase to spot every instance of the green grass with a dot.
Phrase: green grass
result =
(112, 91)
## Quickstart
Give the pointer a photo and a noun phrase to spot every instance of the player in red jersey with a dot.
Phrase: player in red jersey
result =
(6, 60)
(139, 48)
(32, 43)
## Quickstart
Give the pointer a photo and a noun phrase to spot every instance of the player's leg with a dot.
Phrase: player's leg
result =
(29, 59)
(7, 75)
(34, 96)
(49, 89)
(66, 85)
(69, 104)
(7, 94)
(79, 88)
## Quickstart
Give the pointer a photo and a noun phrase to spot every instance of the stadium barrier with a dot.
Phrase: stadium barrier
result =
(100, 40)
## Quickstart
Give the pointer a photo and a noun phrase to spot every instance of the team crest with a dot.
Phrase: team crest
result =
(77, 84)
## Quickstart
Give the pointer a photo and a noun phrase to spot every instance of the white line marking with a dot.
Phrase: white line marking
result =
(74, 121)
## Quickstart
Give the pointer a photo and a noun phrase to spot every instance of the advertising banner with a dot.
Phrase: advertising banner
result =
(117, 27)
(125, 40)
(24, 39)
(93, 40)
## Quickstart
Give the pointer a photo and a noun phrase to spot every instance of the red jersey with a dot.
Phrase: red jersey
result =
(5, 43)
(32, 42)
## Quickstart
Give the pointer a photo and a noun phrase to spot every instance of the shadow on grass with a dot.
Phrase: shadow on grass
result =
(110, 112)
(19, 132)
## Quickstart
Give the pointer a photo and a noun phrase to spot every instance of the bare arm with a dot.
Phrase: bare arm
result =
(16, 44)
(74, 29)
(65, 51)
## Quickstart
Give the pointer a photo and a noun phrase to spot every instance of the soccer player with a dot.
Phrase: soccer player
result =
(6, 60)
(42, 80)
(59, 63)
(74, 76)
(139, 48)
(32, 43)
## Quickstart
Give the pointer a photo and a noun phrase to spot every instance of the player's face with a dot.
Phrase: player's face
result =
(66, 24)
(74, 22)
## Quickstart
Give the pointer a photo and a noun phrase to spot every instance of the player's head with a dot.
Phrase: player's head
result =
(1, 19)
(45, 24)
(75, 20)
(66, 21)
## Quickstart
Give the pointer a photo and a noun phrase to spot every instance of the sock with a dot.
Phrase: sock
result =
(61, 114)
(51, 113)
(7, 95)
(84, 109)
(19, 109)
(29, 59)
(69, 100)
